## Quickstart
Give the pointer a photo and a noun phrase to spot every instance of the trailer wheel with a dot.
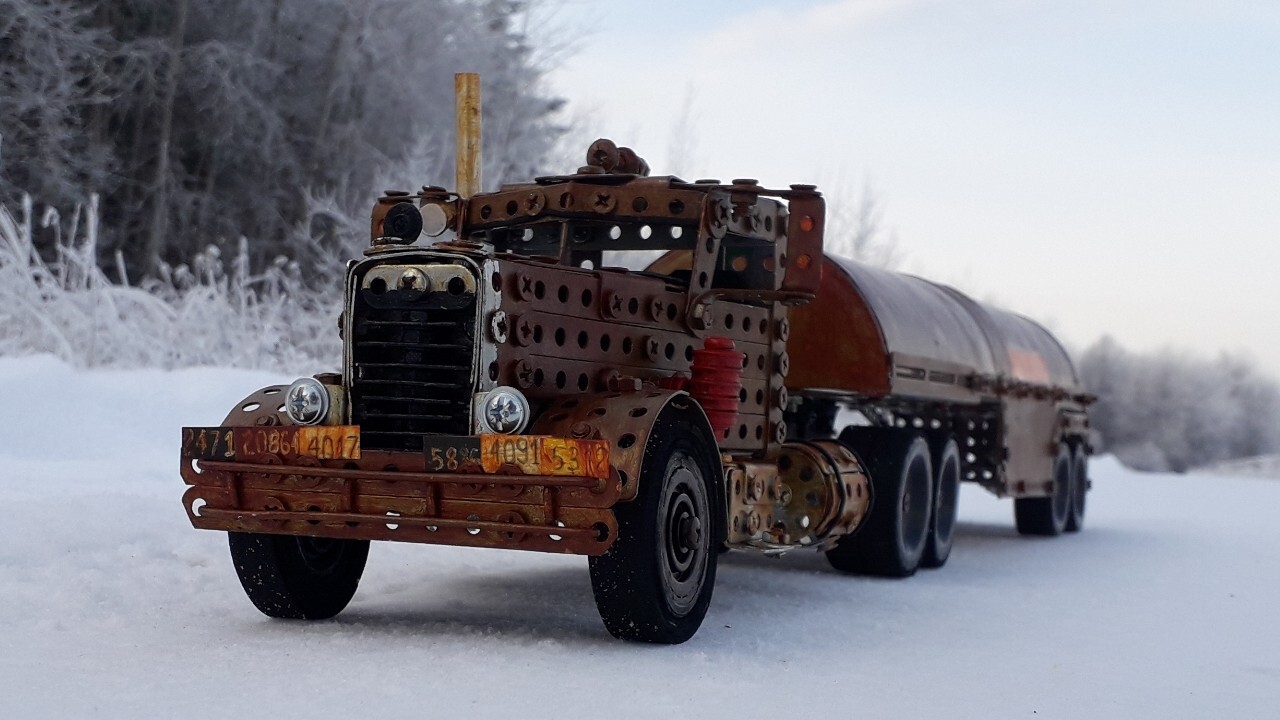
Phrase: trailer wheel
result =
(1048, 515)
(896, 530)
(1079, 488)
(946, 493)
(298, 578)
(655, 582)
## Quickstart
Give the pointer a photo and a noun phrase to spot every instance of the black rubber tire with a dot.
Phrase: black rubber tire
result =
(1047, 516)
(892, 540)
(655, 583)
(946, 500)
(298, 578)
(1079, 488)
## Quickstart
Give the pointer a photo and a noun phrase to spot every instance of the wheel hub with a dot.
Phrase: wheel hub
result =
(683, 543)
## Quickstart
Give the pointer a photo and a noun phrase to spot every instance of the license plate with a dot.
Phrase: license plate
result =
(530, 454)
(324, 442)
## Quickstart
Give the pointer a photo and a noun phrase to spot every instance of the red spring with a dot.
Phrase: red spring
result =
(716, 383)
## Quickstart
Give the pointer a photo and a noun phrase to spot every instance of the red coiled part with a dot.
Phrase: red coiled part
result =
(716, 383)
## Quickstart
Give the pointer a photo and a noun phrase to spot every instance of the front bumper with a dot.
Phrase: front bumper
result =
(316, 481)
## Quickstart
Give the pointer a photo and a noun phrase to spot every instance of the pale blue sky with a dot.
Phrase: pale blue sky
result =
(1104, 167)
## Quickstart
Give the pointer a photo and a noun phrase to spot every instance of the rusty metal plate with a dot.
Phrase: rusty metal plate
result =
(546, 455)
(324, 442)
(530, 454)
(208, 443)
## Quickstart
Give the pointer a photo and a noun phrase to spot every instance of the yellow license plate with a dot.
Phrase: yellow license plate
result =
(325, 442)
(545, 455)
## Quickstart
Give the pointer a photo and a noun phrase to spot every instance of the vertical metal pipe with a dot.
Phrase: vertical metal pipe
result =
(466, 88)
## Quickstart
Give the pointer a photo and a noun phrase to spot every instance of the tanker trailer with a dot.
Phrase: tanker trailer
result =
(947, 390)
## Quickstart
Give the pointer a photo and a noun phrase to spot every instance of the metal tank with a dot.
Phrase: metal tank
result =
(910, 350)
(877, 334)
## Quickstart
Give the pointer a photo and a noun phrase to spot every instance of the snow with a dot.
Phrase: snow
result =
(1262, 466)
(115, 607)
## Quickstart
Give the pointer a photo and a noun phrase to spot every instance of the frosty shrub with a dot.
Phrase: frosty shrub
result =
(211, 311)
(1170, 411)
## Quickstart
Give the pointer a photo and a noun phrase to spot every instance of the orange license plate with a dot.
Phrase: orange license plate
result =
(545, 455)
(324, 442)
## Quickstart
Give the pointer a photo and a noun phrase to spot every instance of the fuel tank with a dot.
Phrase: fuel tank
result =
(874, 333)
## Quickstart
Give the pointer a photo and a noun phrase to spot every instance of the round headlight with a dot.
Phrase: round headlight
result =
(504, 410)
(307, 402)
(402, 223)
(435, 220)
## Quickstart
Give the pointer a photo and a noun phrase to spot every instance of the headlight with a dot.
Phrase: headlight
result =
(402, 223)
(307, 402)
(435, 219)
(503, 410)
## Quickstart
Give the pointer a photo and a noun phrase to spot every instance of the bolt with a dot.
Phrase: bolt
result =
(524, 286)
(615, 304)
(524, 374)
(580, 430)
(605, 202)
(701, 318)
(524, 332)
(691, 529)
(498, 326)
(657, 308)
(413, 281)
(722, 213)
(652, 348)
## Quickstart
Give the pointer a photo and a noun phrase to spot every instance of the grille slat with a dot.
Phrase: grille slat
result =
(412, 344)
(412, 416)
(415, 366)
(408, 399)
(405, 383)
(427, 324)
(412, 367)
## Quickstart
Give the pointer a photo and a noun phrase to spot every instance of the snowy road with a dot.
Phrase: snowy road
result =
(114, 607)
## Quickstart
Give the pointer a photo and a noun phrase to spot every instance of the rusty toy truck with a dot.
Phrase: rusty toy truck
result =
(503, 386)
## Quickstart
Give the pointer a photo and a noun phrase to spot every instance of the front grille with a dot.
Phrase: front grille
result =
(411, 366)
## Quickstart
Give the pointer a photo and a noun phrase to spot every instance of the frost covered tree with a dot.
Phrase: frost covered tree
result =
(51, 83)
(202, 121)
(1167, 411)
(855, 228)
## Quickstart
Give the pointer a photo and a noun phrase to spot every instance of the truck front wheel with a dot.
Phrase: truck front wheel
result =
(298, 578)
(654, 585)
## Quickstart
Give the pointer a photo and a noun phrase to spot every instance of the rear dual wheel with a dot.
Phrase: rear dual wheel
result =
(946, 494)
(895, 533)
(1048, 516)
(1079, 488)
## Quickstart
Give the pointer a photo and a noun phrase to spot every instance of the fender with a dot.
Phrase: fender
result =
(627, 420)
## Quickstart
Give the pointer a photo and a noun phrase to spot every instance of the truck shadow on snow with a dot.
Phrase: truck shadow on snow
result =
(556, 603)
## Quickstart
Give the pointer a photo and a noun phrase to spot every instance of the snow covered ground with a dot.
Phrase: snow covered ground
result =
(1165, 606)
(1261, 466)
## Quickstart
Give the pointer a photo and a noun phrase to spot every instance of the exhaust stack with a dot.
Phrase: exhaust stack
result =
(466, 88)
